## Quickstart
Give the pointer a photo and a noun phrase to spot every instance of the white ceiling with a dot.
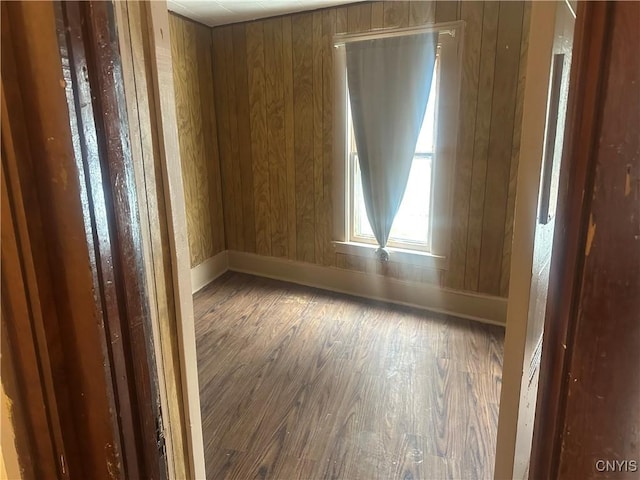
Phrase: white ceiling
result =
(221, 12)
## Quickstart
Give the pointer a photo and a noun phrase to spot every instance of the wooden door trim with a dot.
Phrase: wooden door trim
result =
(100, 123)
(67, 322)
(588, 72)
(26, 364)
(24, 370)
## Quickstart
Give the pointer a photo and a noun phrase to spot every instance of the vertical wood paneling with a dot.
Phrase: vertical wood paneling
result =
(287, 70)
(471, 13)
(377, 15)
(396, 14)
(421, 13)
(294, 62)
(318, 179)
(195, 109)
(258, 133)
(342, 20)
(481, 142)
(359, 17)
(210, 134)
(276, 136)
(515, 153)
(242, 144)
(447, 10)
(500, 145)
(301, 28)
(224, 131)
(239, 200)
(192, 154)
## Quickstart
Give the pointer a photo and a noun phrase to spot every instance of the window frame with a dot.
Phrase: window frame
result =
(450, 41)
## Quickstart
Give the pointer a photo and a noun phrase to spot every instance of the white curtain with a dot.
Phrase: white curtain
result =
(389, 82)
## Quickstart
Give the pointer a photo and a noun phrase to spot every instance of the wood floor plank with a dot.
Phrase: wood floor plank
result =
(298, 383)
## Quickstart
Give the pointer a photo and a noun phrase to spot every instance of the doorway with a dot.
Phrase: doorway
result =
(533, 237)
(538, 38)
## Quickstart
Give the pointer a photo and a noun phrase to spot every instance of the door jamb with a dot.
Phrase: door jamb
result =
(542, 28)
(577, 172)
(173, 191)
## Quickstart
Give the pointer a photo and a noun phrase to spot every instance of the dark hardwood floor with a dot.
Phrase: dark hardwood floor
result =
(299, 383)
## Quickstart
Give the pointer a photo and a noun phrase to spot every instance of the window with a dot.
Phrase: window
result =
(412, 226)
(423, 222)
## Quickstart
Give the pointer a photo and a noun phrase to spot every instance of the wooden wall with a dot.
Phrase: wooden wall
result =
(195, 109)
(274, 101)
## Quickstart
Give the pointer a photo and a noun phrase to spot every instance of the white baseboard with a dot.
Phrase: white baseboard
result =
(483, 308)
(205, 273)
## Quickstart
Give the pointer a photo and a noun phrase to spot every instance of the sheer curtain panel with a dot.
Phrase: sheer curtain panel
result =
(389, 80)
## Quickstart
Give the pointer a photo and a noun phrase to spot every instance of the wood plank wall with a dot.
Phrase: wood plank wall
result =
(274, 101)
(195, 109)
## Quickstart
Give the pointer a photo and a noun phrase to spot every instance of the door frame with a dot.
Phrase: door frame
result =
(69, 297)
(542, 29)
(534, 116)
(91, 62)
(591, 36)
(577, 172)
(155, 42)
(530, 163)
(74, 218)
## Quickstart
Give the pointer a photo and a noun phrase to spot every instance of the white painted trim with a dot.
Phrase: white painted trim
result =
(340, 175)
(539, 55)
(444, 162)
(483, 308)
(398, 255)
(162, 71)
(444, 28)
(205, 273)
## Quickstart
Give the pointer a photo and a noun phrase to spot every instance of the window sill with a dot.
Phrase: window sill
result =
(397, 255)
